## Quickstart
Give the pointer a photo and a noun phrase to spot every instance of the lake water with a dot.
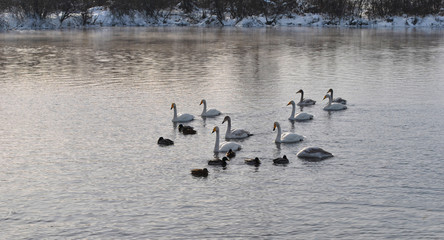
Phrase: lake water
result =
(81, 112)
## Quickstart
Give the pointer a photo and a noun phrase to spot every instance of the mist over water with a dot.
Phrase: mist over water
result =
(81, 112)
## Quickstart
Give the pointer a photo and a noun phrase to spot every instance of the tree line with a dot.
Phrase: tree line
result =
(237, 9)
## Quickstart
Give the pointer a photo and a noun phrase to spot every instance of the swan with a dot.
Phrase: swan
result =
(314, 153)
(300, 116)
(225, 146)
(186, 129)
(305, 102)
(286, 137)
(219, 162)
(165, 141)
(282, 160)
(210, 112)
(333, 106)
(181, 118)
(235, 133)
(253, 161)
(199, 172)
(337, 100)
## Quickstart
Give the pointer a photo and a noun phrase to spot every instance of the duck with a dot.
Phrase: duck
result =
(300, 116)
(165, 141)
(186, 129)
(314, 153)
(225, 146)
(230, 154)
(305, 102)
(286, 137)
(337, 100)
(235, 133)
(211, 112)
(182, 117)
(281, 160)
(333, 106)
(219, 162)
(253, 161)
(199, 172)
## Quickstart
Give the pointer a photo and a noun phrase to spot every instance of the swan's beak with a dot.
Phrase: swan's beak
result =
(288, 103)
(214, 130)
(201, 102)
(223, 121)
(299, 91)
(324, 97)
(274, 128)
(172, 106)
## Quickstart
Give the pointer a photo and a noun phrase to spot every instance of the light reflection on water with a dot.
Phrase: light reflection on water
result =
(81, 111)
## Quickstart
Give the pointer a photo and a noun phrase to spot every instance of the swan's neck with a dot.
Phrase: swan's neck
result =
(175, 113)
(331, 94)
(216, 145)
(228, 127)
(205, 108)
(302, 96)
(293, 111)
(329, 100)
(278, 137)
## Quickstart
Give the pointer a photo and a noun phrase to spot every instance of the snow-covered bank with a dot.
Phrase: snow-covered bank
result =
(102, 17)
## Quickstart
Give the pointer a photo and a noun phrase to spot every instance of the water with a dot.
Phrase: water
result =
(81, 112)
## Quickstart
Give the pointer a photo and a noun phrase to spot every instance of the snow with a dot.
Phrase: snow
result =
(102, 17)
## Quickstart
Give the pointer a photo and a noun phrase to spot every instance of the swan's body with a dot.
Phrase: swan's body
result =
(235, 133)
(300, 116)
(224, 146)
(333, 106)
(253, 161)
(282, 160)
(210, 112)
(186, 129)
(337, 100)
(182, 117)
(219, 162)
(165, 141)
(286, 137)
(314, 153)
(199, 172)
(305, 102)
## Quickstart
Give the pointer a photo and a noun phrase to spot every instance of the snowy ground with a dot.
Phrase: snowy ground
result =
(103, 18)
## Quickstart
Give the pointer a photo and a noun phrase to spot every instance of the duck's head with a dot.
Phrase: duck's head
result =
(173, 105)
(225, 159)
(284, 157)
(226, 118)
(215, 129)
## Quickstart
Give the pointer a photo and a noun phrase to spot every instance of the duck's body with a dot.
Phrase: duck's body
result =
(210, 112)
(224, 146)
(186, 129)
(199, 172)
(314, 153)
(286, 137)
(333, 106)
(181, 117)
(231, 154)
(253, 161)
(300, 116)
(165, 141)
(305, 102)
(235, 133)
(281, 160)
(218, 162)
(336, 100)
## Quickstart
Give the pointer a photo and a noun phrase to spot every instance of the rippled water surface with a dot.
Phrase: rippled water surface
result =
(81, 112)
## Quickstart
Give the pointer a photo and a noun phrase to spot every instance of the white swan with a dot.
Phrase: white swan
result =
(305, 102)
(300, 116)
(314, 153)
(235, 133)
(286, 137)
(337, 100)
(210, 112)
(333, 106)
(224, 146)
(181, 118)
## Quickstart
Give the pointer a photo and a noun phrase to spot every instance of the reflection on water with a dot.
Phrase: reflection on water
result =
(81, 112)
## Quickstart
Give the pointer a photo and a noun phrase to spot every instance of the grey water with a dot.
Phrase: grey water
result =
(81, 112)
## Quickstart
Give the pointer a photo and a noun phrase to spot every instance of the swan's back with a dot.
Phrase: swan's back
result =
(291, 137)
(226, 146)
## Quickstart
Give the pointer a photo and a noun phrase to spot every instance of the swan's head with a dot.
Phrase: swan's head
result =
(173, 105)
(276, 125)
(202, 102)
(291, 102)
(227, 118)
(330, 90)
(326, 96)
(215, 129)
(300, 91)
